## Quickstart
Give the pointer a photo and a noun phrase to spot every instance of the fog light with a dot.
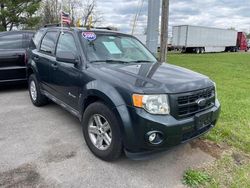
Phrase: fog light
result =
(152, 137)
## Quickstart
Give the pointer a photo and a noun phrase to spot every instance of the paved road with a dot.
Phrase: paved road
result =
(44, 147)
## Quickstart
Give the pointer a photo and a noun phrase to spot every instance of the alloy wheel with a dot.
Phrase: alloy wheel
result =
(100, 132)
(33, 91)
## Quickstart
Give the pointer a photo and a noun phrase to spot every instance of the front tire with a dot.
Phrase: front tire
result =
(102, 132)
(37, 98)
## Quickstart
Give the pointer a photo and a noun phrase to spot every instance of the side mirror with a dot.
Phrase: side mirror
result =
(67, 57)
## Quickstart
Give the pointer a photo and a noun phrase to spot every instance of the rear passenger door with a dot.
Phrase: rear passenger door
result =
(44, 59)
(65, 76)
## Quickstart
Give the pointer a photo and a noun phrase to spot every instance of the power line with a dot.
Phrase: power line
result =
(138, 12)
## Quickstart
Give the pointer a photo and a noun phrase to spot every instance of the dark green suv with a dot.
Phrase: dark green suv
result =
(124, 98)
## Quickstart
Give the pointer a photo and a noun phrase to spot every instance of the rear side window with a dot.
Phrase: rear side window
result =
(12, 41)
(48, 42)
(38, 36)
(66, 43)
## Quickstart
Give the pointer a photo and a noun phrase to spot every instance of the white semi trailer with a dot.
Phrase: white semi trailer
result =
(204, 39)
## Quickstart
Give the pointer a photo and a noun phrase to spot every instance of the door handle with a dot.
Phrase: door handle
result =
(54, 66)
(36, 58)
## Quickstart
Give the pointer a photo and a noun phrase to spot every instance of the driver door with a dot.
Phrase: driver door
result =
(66, 76)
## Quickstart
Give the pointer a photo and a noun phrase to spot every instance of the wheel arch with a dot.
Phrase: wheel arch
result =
(99, 91)
(29, 71)
(32, 69)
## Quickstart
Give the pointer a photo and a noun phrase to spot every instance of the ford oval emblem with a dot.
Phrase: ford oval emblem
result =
(201, 102)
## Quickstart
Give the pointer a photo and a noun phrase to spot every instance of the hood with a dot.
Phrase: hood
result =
(157, 77)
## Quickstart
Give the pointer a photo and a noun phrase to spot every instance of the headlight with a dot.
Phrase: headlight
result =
(154, 104)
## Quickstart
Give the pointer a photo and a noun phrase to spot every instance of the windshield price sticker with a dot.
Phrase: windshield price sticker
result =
(89, 36)
(112, 48)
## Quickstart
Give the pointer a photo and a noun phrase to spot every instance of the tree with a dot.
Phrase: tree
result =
(15, 13)
(50, 12)
(248, 35)
(87, 11)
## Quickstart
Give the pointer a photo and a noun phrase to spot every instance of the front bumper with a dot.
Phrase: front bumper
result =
(174, 131)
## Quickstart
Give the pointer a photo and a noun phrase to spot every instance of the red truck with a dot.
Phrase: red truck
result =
(242, 41)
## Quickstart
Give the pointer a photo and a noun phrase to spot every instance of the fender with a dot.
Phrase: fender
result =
(102, 90)
(115, 101)
(32, 65)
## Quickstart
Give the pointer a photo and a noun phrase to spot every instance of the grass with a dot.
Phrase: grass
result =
(195, 178)
(231, 72)
(224, 173)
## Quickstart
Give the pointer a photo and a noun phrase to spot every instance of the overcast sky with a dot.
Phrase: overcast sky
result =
(214, 13)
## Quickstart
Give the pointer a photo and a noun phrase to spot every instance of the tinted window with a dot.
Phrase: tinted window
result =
(38, 37)
(48, 42)
(12, 41)
(66, 43)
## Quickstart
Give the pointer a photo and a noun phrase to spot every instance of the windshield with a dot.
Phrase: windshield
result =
(114, 48)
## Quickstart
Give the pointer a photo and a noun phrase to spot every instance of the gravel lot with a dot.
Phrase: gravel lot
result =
(44, 147)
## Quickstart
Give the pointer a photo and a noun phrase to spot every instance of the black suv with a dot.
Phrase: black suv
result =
(124, 98)
(13, 58)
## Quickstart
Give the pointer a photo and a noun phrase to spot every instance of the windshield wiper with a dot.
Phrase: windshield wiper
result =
(110, 61)
(141, 61)
(121, 62)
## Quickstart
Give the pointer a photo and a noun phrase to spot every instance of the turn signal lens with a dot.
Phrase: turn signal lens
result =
(137, 100)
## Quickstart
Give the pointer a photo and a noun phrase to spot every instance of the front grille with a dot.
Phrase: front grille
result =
(185, 104)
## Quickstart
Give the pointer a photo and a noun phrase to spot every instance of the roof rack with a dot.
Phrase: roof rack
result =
(55, 25)
(105, 28)
(88, 27)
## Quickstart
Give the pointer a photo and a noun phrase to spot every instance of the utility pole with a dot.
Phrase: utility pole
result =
(153, 25)
(164, 30)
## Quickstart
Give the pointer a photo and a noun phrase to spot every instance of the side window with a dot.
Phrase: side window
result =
(12, 41)
(48, 42)
(66, 43)
(36, 39)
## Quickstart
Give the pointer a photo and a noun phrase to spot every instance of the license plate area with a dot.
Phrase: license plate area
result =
(202, 120)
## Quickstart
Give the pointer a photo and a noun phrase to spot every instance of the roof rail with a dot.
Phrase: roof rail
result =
(105, 28)
(55, 25)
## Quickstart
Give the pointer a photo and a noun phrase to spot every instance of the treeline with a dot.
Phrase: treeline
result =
(32, 14)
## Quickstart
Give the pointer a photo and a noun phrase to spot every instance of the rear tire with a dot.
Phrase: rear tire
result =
(100, 123)
(37, 98)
